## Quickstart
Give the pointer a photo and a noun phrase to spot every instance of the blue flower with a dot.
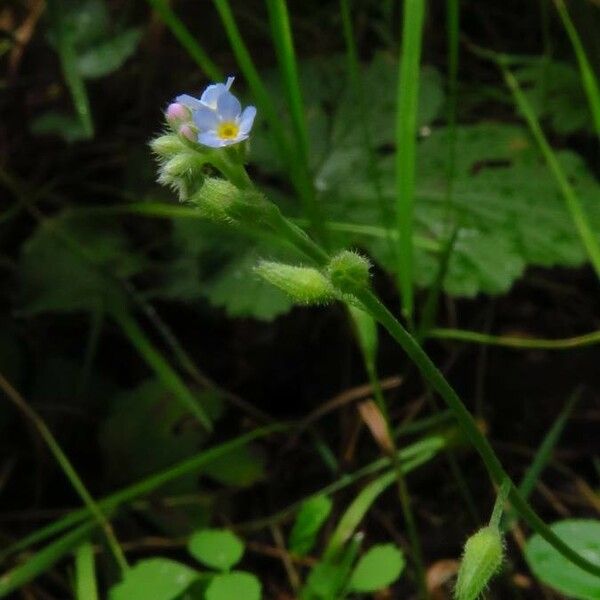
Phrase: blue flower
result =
(218, 116)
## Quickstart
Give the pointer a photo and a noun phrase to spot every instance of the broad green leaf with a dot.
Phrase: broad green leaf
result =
(239, 585)
(214, 263)
(583, 536)
(65, 266)
(147, 430)
(68, 127)
(504, 199)
(555, 92)
(311, 517)
(108, 55)
(154, 579)
(218, 549)
(88, 20)
(240, 468)
(241, 292)
(377, 569)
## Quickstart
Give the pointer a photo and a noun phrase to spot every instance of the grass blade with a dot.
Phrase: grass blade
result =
(160, 366)
(359, 507)
(588, 77)
(186, 39)
(431, 303)
(141, 488)
(67, 468)
(506, 341)
(356, 84)
(68, 61)
(587, 235)
(284, 46)
(542, 456)
(43, 560)
(85, 573)
(406, 140)
(298, 174)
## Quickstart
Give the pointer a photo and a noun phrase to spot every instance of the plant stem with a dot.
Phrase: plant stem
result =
(468, 425)
(499, 504)
(374, 307)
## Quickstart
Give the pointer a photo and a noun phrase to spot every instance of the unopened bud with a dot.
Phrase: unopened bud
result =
(184, 164)
(215, 199)
(166, 146)
(482, 557)
(188, 132)
(349, 272)
(177, 113)
(305, 285)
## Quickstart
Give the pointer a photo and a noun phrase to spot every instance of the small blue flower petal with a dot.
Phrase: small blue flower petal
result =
(228, 107)
(247, 119)
(188, 101)
(210, 139)
(205, 118)
(211, 95)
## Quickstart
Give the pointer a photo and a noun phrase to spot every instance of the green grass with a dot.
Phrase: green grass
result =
(66, 466)
(523, 343)
(588, 237)
(68, 61)
(85, 573)
(588, 76)
(186, 39)
(170, 378)
(290, 152)
(406, 140)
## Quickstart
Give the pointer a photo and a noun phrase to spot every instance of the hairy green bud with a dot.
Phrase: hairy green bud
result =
(349, 272)
(215, 199)
(482, 558)
(305, 285)
(184, 164)
(168, 145)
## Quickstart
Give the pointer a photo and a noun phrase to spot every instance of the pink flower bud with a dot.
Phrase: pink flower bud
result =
(188, 132)
(177, 112)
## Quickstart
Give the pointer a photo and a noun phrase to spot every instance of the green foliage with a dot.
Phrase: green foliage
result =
(154, 579)
(241, 467)
(239, 585)
(101, 47)
(218, 549)
(89, 47)
(109, 54)
(69, 265)
(328, 579)
(583, 535)
(242, 293)
(311, 517)
(555, 92)
(69, 127)
(147, 430)
(378, 568)
(504, 200)
(482, 557)
(218, 265)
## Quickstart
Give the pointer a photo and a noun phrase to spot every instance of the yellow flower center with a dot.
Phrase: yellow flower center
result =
(228, 130)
